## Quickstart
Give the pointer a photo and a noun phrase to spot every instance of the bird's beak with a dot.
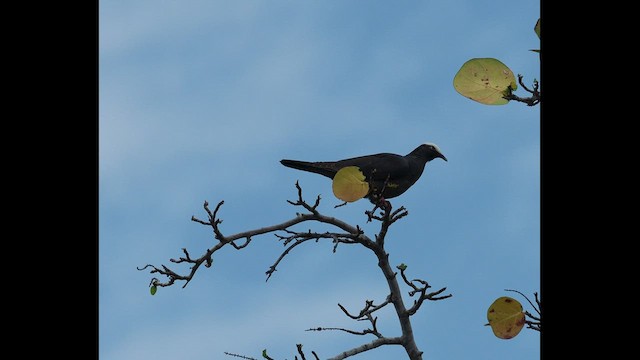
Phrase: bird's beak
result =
(442, 157)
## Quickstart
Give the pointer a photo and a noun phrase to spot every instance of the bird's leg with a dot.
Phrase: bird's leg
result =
(382, 203)
(379, 202)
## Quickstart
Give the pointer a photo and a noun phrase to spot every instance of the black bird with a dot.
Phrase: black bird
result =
(388, 175)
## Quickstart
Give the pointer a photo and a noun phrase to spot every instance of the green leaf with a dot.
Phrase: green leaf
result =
(349, 184)
(153, 290)
(506, 317)
(537, 28)
(485, 80)
(402, 267)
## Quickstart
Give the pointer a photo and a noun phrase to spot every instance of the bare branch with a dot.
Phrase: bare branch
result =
(213, 219)
(387, 218)
(301, 202)
(368, 346)
(432, 296)
(367, 310)
(535, 85)
(398, 214)
(348, 235)
(238, 247)
(353, 332)
(239, 356)
(539, 309)
(266, 356)
(273, 267)
(354, 233)
(371, 214)
(420, 289)
(365, 314)
(535, 324)
(144, 267)
(536, 321)
(173, 276)
(532, 316)
(523, 295)
(214, 222)
(340, 205)
(299, 346)
(535, 98)
(301, 237)
(193, 218)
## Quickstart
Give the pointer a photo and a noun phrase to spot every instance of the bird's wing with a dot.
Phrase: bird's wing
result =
(379, 166)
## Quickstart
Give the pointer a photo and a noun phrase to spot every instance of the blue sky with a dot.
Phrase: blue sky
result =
(199, 100)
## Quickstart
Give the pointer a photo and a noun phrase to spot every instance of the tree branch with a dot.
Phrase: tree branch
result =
(387, 218)
(239, 356)
(299, 346)
(535, 98)
(348, 235)
(214, 221)
(353, 332)
(368, 346)
(368, 309)
(303, 237)
(420, 289)
(533, 322)
(406, 340)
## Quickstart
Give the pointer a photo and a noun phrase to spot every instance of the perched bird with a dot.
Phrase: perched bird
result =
(388, 175)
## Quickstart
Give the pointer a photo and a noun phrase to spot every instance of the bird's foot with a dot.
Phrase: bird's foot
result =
(384, 204)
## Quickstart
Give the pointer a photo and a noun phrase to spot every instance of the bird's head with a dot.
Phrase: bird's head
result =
(429, 151)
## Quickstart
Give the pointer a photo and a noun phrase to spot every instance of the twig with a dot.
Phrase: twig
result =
(299, 346)
(387, 220)
(340, 205)
(368, 309)
(536, 324)
(368, 346)
(422, 290)
(353, 332)
(266, 356)
(304, 237)
(301, 202)
(365, 314)
(539, 309)
(530, 101)
(239, 356)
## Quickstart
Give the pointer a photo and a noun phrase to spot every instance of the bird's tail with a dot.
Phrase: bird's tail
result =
(323, 168)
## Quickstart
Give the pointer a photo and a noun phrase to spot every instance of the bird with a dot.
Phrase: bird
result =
(389, 175)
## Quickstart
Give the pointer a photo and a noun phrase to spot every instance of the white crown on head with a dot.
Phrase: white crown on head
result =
(435, 146)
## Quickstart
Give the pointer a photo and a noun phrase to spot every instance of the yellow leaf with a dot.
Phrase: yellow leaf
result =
(506, 317)
(485, 80)
(349, 184)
